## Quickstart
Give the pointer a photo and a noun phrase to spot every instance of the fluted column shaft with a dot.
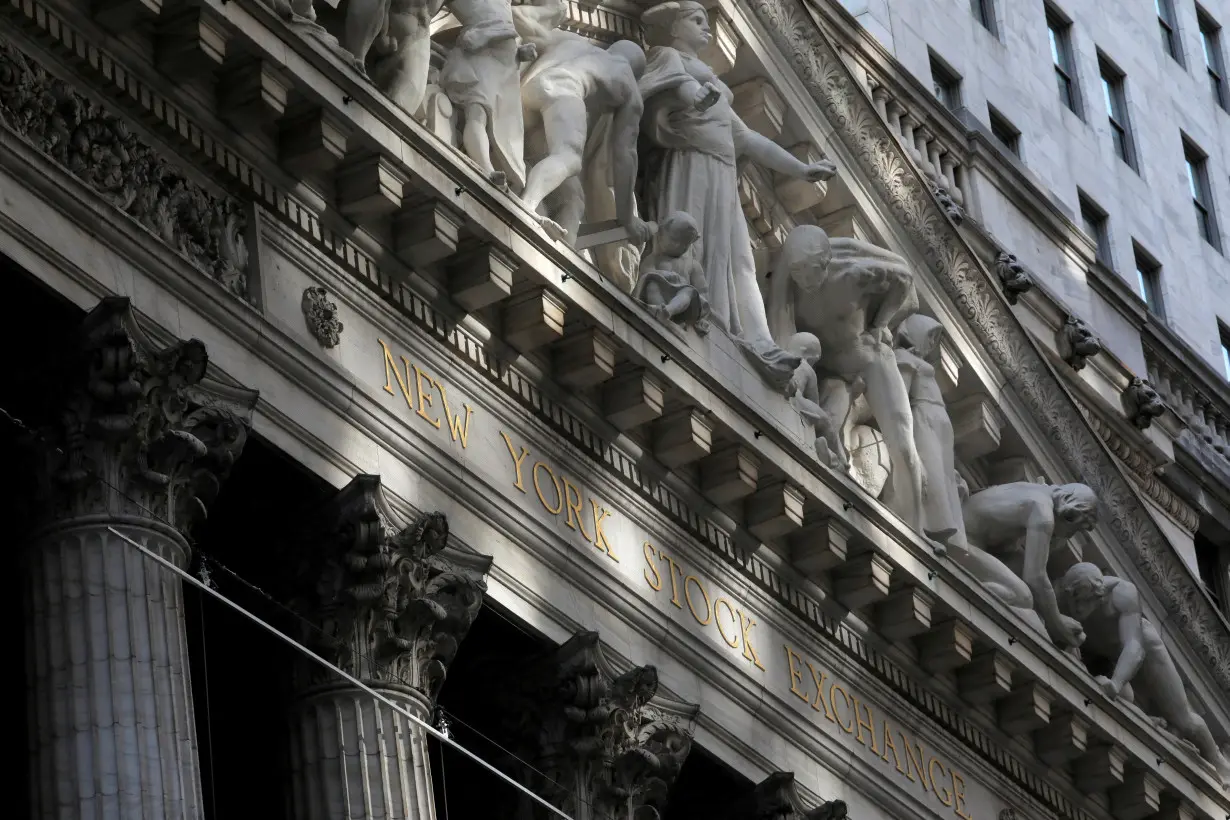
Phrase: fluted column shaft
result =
(356, 758)
(110, 700)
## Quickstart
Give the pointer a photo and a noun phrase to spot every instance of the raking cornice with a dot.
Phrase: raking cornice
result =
(956, 268)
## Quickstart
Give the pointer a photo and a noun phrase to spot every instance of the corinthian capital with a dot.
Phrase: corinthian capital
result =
(602, 738)
(390, 601)
(142, 430)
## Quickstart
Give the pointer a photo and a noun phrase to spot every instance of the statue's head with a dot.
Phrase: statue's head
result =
(1076, 508)
(806, 346)
(676, 233)
(683, 24)
(920, 334)
(805, 257)
(631, 53)
(1080, 590)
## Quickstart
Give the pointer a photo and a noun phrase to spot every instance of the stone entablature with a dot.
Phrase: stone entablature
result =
(777, 509)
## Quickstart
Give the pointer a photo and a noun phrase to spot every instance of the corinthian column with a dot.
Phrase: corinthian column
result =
(389, 604)
(143, 442)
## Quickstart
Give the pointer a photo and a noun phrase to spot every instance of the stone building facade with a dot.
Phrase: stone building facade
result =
(547, 492)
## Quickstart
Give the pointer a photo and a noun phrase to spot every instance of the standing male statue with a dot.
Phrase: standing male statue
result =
(1109, 610)
(566, 93)
(852, 295)
(401, 29)
(481, 77)
(1009, 518)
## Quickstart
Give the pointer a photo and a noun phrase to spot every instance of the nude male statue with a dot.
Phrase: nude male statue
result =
(852, 294)
(1109, 610)
(568, 88)
(400, 31)
(1009, 517)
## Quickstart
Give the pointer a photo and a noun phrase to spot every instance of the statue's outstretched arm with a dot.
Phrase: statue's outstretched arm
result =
(767, 153)
(1038, 533)
(537, 20)
(1126, 600)
(875, 266)
(625, 126)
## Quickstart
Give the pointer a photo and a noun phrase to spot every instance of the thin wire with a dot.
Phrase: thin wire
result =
(427, 727)
(209, 721)
(444, 783)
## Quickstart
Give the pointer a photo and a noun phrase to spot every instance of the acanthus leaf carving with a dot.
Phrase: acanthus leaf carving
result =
(131, 175)
(389, 605)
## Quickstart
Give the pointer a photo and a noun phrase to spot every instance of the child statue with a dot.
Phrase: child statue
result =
(671, 282)
(803, 391)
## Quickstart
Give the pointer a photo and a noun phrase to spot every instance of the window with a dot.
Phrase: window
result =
(1093, 220)
(1060, 30)
(1210, 37)
(946, 83)
(1004, 131)
(1225, 351)
(1202, 199)
(1213, 566)
(1169, 28)
(1113, 83)
(984, 13)
(1148, 280)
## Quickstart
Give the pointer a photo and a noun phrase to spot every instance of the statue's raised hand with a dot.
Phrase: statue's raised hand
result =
(706, 97)
(640, 231)
(1108, 686)
(820, 171)
(527, 53)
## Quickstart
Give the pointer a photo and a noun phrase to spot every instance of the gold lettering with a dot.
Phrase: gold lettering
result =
(687, 594)
(796, 676)
(559, 496)
(571, 492)
(649, 559)
(869, 725)
(958, 790)
(599, 534)
(749, 652)
(424, 397)
(733, 644)
(889, 743)
(674, 586)
(946, 796)
(390, 367)
(914, 763)
(833, 702)
(518, 460)
(457, 428)
(820, 702)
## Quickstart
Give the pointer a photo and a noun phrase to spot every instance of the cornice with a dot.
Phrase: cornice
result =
(971, 288)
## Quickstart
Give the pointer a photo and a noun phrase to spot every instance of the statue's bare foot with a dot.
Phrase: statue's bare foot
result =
(499, 179)
(556, 231)
(661, 314)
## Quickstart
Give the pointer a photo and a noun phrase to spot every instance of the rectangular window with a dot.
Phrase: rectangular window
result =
(1225, 351)
(984, 13)
(1113, 83)
(1093, 220)
(1004, 131)
(1210, 38)
(1169, 28)
(1202, 197)
(1148, 280)
(1060, 32)
(946, 83)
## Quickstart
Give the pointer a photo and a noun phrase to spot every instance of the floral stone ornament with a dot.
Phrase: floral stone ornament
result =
(320, 315)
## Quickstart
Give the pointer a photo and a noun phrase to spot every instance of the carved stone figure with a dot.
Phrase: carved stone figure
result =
(672, 284)
(320, 315)
(481, 77)
(698, 139)
(918, 346)
(573, 90)
(400, 31)
(1109, 609)
(803, 391)
(1077, 342)
(852, 294)
(604, 744)
(1013, 277)
(1141, 403)
(1022, 520)
(951, 209)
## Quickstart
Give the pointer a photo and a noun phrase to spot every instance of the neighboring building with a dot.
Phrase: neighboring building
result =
(275, 330)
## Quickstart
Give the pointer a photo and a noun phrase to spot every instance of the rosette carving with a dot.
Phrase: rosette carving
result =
(142, 431)
(389, 605)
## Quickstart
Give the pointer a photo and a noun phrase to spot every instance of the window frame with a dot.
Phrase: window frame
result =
(1063, 61)
(1003, 130)
(1224, 335)
(1201, 190)
(1094, 216)
(945, 82)
(1168, 25)
(1214, 56)
(984, 12)
(1114, 93)
(1149, 280)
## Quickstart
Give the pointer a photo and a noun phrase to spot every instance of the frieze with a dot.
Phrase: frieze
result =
(131, 175)
(963, 278)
